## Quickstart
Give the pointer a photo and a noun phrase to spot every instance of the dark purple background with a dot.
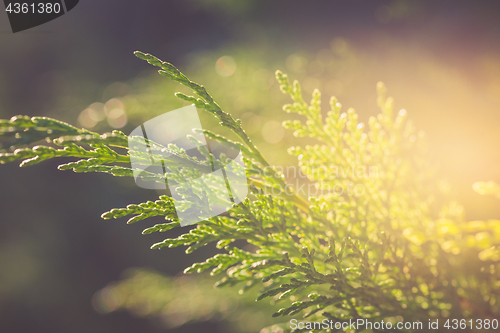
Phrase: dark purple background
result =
(56, 214)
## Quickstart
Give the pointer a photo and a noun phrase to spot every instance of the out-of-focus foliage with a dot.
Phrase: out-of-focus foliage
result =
(376, 239)
(487, 188)
(178, 300)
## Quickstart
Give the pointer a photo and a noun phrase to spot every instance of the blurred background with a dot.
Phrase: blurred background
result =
(58, 259)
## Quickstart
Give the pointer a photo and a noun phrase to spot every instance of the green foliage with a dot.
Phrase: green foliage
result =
(389, 244)
(20, 132)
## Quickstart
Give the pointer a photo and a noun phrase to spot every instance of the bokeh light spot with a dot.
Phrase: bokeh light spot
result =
(89, 117)
(296, 63)
(117, 118)
(225, 66)
(106, 300)
(251, 122)
(273, 131)
(113, 103)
